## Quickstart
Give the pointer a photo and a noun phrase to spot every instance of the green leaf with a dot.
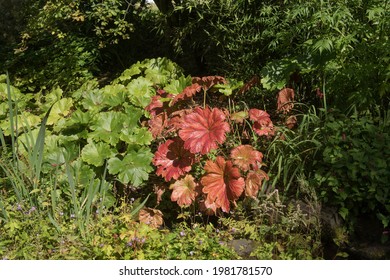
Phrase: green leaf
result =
(343, 212)
(140, 136)
(96, 153)
(60, 110)
(107, 126)
(114, 95)
(140, 92)
(325, 44)
(24, 120)
(134, 168)
(93, 101)
(177, 86)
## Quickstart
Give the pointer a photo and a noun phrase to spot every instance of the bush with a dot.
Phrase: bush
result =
(353, 173)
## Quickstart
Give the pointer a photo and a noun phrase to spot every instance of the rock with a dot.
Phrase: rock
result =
(243, 247)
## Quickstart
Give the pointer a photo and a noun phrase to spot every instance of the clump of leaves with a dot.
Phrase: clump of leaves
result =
(197, 152)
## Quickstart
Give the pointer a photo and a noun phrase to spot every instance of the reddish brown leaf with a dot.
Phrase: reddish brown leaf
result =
(253, 182)
(187, 93)
(244, 156)
(208, 207)
(203, 129)
(208, 82)
(157, 124)
(262, 123)
(184, 191)
(259, 116)
(291, 122)
(155, 107)
(285, 100)
(266, 130)
(151, 217)
(159, 191)
(172, 160)
(251, 83)
(222, 183)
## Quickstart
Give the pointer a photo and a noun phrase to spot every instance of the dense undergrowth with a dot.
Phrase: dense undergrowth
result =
(104, 157)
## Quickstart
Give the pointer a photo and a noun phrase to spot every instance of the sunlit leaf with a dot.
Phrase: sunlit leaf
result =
(184, 191)
(222, 183)
(134, 168)
(152, 217)
(176, 86)
(172, 159)
(245, 156)
(254, 181)
(203, 129)
(107, 126)
(140, 92)
(285, 100)
(60, 109)
(96, 153)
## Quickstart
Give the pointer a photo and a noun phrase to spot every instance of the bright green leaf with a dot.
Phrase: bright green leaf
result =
(134, 168)
(60, 110)
(96, 153)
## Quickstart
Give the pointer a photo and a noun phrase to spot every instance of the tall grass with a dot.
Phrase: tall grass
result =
(292, 153)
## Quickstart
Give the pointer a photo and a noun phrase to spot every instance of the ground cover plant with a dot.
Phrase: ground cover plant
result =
(194, 129)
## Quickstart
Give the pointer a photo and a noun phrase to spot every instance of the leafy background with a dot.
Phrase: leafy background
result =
(179, 129)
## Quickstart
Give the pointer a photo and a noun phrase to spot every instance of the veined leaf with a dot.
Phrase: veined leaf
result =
(222, 183)
(60, 110)
(96, 153)
(203, 129)
(178, 85)
(107, 126)
(184, 191)
(93, 100)
(140, 92)
(172, 159)
(134, 168)
(114, 95)
(140, 136)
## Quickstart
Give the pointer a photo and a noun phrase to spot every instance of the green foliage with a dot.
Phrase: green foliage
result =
(65, 43)
(96, 124)
(354, 169)
(110, 236)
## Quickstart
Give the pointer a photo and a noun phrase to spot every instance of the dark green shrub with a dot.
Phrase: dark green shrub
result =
(354, 170)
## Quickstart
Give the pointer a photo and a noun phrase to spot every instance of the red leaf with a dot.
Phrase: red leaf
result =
(259, 116)
(208, 207)
(253, 182)
(184, 191)
(187, 93)
(244, 156)
(209, 81)
(267, 130)
(222, 183)
(155, 107)
(251, 83)
(285, 100)
(203, 129)
(172, 160)
(262, 123)
(157, 124)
